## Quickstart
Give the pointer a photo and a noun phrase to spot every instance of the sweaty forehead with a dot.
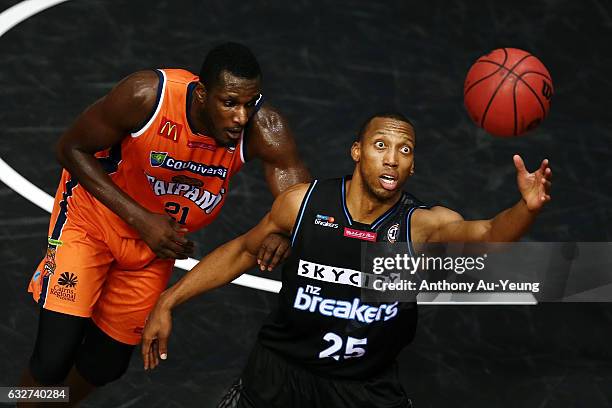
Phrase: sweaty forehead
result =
(229, 83)
(390, 127)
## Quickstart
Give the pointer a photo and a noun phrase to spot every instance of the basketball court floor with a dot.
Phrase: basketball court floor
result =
(327, 65)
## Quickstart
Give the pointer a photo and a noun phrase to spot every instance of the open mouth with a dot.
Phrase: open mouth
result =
(233, 134)
(388, 182)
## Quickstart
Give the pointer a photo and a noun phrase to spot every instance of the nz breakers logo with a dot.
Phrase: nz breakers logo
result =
(164, 160)
(309, 300)
(325, 221)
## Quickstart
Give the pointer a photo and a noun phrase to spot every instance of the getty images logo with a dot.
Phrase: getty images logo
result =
(325, 221)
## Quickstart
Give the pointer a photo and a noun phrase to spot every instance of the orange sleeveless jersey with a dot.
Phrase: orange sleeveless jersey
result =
(164, 166)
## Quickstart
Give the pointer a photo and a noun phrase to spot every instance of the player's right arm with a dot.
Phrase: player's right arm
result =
(216, 269)
(104, 124)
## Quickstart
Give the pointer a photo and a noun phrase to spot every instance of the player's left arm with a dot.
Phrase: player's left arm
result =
(270, 139)
(508, 225)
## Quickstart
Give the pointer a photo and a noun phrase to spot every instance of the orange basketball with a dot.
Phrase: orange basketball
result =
(507, 92)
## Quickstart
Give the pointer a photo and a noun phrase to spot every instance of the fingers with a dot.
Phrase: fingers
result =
(162, 351)
(144, 351)
(519, 164)
(543, 166)
(274, 250)
(153, 354)
(266, 252)
(178, 227)
(174, 250)
(149, 353)
(276, 257)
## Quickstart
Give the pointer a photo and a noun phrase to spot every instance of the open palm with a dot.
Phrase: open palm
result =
(534, 187)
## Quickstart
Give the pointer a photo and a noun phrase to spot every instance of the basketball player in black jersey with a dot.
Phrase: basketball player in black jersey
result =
(323, 346)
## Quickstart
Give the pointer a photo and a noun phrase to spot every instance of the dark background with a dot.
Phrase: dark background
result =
(327, 65)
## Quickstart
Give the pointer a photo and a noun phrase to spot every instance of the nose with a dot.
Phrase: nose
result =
(241, 116)
(391, 158)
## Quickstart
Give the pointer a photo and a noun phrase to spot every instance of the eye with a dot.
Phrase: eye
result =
(379, 144)
(405, 149)
(228, 103)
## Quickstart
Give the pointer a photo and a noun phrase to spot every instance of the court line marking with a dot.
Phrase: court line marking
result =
(20, 12)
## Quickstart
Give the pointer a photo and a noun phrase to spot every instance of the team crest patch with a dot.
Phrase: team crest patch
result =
(392, 233)
(157, 158)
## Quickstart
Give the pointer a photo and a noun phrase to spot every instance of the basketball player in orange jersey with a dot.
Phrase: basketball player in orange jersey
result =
(144, 165)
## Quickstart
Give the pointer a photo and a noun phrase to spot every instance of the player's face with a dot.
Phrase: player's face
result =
(228, 106)
(385, 157)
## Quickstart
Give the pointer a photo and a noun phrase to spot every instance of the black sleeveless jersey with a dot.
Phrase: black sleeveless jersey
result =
(320, 322)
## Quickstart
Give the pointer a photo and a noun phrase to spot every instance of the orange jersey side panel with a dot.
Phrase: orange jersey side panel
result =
(165, 166)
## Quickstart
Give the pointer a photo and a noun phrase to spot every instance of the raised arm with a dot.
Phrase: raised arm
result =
(104, 125)
(218, 268)
(443, 225)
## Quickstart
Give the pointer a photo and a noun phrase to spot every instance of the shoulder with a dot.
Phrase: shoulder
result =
(140, 87)
(268, 118)
(269, 136)
(132, 100)
(293, 196)
(287, 205)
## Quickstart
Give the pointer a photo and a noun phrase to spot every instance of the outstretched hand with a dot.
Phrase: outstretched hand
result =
(534, 187)
(155, 336)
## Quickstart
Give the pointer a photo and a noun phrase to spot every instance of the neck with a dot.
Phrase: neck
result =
(363, 205)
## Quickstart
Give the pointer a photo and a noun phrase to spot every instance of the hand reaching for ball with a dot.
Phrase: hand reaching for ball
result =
(534, 187)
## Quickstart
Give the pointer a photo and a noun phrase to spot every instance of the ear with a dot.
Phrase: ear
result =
(356, 151)
(200, 92)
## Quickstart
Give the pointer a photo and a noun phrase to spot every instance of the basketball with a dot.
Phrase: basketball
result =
(507, 92)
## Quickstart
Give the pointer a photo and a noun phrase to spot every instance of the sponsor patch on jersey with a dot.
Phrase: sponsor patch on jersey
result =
(201, 145)
(170, 129)
(344, 309)
(392, 233)
(65, 289)
(204, 199)
(164, 160)
(325, 221)
(181, 179)
(358, 234)
(327, 273)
